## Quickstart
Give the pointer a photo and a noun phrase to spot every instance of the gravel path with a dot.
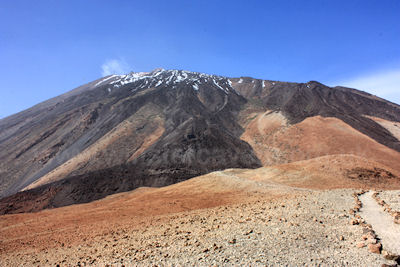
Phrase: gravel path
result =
(391, 197)
(381, 222)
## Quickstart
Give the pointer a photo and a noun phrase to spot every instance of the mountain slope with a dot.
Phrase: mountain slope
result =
(300, 101)
(275, 141)
(162, 127)
(196, 111)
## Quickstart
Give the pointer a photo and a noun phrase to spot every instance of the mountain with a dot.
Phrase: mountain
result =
(158, 128)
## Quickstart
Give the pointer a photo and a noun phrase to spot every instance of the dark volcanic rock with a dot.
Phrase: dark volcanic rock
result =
(201, 135)
(299, 101)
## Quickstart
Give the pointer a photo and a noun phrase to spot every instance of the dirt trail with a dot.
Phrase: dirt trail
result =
(381, 222)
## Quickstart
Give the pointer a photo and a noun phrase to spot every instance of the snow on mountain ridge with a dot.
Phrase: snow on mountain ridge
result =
(170, 78)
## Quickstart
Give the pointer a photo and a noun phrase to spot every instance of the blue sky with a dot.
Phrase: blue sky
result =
(50, 47)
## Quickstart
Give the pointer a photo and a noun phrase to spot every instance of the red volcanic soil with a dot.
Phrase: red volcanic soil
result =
(276, 142)
(73, 225)
(77, 223)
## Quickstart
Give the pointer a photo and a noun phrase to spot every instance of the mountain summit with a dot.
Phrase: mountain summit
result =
(166, 78)
(157, 128)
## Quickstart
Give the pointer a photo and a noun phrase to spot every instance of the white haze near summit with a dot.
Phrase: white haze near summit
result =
(384, 83)
(115, 66)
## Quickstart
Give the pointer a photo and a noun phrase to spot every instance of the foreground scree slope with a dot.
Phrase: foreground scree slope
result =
(122, 132)
(271, 215)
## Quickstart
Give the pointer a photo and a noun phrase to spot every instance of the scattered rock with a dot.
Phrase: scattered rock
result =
(375, 248)
(354, 222)
(389, 256)
(233, 241)
(249, 232)
(360, 245)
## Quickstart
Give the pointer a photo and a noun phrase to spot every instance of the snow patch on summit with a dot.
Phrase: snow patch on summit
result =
(105, 79)
(170, 79)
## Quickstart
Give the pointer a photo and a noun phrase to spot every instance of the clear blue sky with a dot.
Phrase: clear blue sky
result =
(50, 47)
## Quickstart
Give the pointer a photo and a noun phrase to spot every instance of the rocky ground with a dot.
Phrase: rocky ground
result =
(391, 197)
(309, 227)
